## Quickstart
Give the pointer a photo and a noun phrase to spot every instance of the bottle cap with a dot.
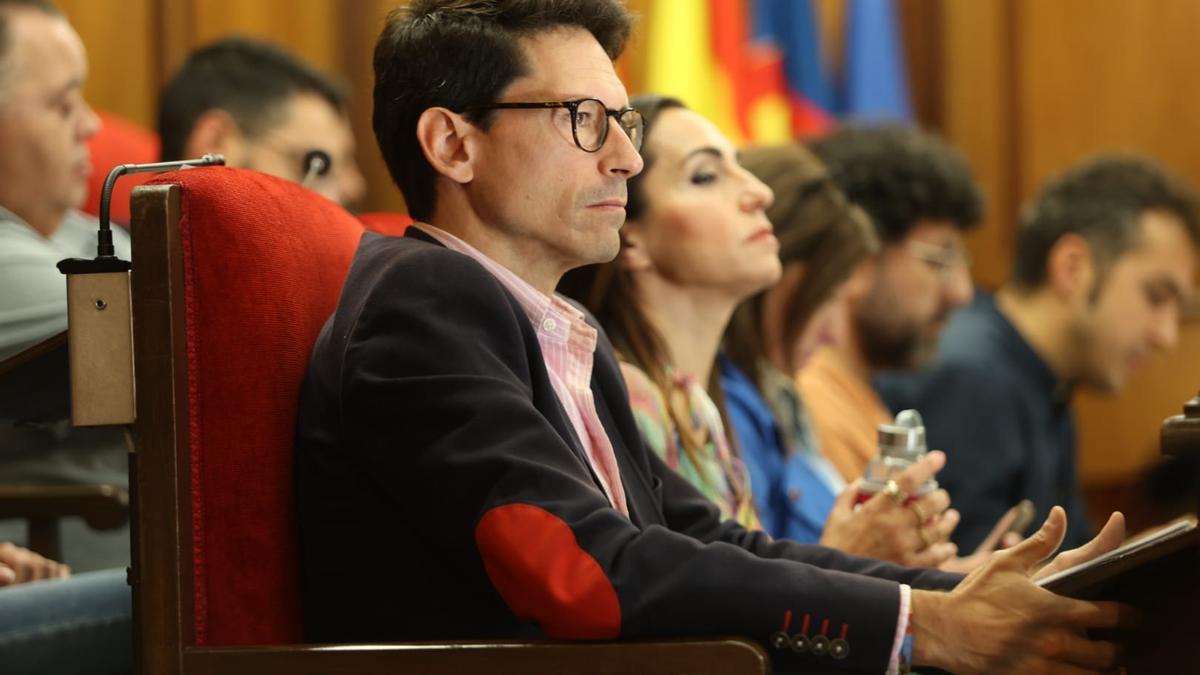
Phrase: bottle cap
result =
(907, 434)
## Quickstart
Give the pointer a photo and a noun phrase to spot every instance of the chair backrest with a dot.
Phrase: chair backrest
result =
(386, 222)
(253, 266)
(119, 141)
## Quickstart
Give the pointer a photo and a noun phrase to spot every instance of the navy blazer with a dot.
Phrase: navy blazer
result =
(442, 493)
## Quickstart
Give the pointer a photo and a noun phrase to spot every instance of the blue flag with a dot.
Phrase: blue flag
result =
(875, 87)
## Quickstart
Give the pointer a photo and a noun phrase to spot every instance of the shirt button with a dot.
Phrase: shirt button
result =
(550, 324)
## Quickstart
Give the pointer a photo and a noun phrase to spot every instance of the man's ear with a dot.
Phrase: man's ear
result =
(1070, 267)
(861, 280)
(448, 141)
(634, 255)
(215, 131)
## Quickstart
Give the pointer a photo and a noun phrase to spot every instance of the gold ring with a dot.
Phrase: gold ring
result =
(892, 490)
(919, 513)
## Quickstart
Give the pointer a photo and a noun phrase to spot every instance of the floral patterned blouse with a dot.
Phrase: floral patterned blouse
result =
(717, 471)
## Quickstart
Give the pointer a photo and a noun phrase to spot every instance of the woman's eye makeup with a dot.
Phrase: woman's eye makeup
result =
(706, 166)
(1156, 294)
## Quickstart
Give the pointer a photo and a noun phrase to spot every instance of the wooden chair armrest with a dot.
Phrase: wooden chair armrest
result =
(715, 656)
(103, 507)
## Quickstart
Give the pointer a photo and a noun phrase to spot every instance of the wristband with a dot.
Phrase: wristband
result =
(906, 648)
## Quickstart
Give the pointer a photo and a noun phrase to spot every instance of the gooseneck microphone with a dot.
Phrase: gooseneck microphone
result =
(100, 318)
(104, 245)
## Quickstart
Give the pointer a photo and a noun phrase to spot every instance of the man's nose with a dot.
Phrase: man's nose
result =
(1164, 330)
(89, 122)
(620, 158)
(957, 287)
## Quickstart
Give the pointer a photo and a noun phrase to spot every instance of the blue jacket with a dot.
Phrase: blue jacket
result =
(794, 491)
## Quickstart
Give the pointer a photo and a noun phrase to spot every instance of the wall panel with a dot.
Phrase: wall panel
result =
(1117, 75)
(309, 29)
(977, 118)
(122, 53)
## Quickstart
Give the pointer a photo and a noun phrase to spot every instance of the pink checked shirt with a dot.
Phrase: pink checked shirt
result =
(568, 345)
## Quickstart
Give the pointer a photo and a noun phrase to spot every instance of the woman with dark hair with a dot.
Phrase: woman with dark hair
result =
(696, 243)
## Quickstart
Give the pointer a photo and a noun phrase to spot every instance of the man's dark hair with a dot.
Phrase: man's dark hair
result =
(461, 53)
(249, 79)
(6, 9)
(1102, 201)
(900, 175)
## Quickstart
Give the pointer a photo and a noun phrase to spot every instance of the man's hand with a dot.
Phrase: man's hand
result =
(914, 535)
(1110, 537)
(999, 621)
(18, 565)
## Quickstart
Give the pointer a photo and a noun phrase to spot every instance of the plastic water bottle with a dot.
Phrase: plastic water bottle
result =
(901, 444)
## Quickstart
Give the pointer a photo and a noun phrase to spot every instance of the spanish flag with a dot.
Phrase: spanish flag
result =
(704, 53)
(700, 52)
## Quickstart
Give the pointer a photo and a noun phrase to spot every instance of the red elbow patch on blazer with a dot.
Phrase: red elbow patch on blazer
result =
(533, 560)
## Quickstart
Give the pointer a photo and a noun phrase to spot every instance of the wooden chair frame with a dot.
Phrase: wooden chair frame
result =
(162, 571)
(42, 507)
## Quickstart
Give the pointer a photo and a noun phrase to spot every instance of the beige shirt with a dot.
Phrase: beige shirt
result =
(845, 411)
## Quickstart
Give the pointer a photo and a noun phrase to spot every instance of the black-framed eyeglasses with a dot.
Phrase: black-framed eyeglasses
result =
(589, 120)
(946, 261)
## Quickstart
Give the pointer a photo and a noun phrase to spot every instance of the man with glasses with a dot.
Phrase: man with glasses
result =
(264, 110)
(468, 432)
(921, 198)
(1104, 260)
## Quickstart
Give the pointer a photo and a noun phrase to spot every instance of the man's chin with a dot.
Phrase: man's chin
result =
(603, 247)
(1115, 383)
(594, 255)
(77, 196)
(1109, 384)
(607, 254)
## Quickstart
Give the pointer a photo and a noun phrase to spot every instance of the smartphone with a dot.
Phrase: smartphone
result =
(1025, 513)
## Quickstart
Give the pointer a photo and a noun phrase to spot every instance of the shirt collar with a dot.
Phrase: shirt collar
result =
(552, 316)
(1025, 357)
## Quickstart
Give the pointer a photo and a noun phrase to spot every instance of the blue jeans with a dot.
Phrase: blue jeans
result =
(81, 625)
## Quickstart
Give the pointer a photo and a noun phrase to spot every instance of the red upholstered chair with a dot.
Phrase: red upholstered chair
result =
(234, 274)
(386, 222)
(119, 141)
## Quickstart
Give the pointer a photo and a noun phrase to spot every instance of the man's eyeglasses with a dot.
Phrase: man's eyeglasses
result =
(946, 261)
(589, 120)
